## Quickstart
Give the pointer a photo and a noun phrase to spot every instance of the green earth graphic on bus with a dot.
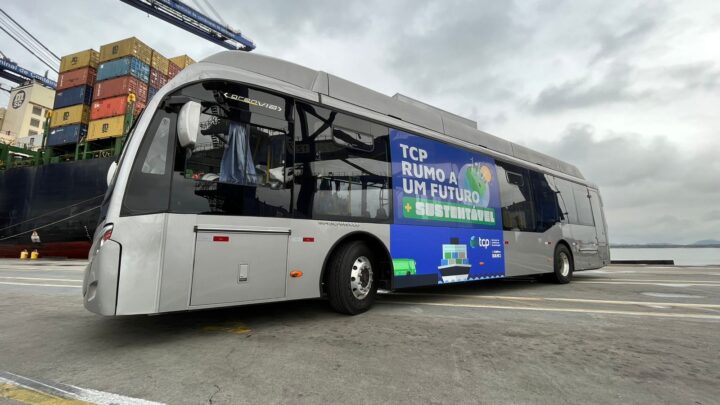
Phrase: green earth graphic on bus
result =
(477, 177)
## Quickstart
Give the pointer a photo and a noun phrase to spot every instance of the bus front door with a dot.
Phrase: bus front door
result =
(600, 227)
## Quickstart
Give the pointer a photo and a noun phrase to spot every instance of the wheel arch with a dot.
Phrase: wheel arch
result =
(375, 244)
(567, 245)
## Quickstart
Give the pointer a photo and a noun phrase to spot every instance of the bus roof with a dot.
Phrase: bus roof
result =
(330, 87)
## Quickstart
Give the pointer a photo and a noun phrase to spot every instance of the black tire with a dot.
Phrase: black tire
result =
(563, 265)
(340, 270)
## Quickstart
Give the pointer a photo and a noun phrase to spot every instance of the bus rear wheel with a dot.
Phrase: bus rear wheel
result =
(352, 278)
(563, 265)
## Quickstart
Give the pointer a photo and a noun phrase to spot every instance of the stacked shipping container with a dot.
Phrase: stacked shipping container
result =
(93, 89)
(124, 69)
(69, 121)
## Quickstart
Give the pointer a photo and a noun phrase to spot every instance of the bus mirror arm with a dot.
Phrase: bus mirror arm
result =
(188, 124)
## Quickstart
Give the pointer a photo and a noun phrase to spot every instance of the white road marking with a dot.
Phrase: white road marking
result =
(558, 299)
(42, 285)
(669, 284)
(671, 295)
(39, 279)
(657, 281)
(25, 269)
(573, 310)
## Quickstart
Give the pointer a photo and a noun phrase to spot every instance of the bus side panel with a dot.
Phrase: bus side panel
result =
(529, 252)
(178, 266)
(311, 242)
(448, 223)
(142, 239)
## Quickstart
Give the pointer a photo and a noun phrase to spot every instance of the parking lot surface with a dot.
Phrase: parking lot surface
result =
(618, 335)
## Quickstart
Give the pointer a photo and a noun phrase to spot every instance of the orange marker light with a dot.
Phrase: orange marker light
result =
(296, 274)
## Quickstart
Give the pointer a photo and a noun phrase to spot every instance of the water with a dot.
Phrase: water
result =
(682, 256)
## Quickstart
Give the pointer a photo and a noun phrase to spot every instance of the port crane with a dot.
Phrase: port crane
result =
(11, 71)
(188, 18)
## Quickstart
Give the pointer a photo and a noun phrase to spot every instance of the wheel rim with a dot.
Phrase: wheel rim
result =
(361, 277)
(564, 262)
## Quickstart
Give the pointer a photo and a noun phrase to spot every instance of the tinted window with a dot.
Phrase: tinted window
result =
(148, 188)
(567, 201)
(582, 202)
(342, 170)
(545, 199)
(515, 197)
(238, 163)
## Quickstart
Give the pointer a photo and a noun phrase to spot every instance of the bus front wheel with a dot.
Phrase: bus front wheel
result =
(352, 278)
(563, 265)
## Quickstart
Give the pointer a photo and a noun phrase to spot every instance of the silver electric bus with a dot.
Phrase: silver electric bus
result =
(249, 179)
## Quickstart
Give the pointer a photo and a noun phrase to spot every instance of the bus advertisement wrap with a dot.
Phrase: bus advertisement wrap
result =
(448, 226)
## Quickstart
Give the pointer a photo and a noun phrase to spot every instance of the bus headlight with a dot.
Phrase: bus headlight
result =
(106, 235)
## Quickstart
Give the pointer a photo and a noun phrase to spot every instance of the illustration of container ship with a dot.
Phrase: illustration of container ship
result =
(454, 265)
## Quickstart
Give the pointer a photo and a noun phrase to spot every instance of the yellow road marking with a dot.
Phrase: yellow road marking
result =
(237, 328)
(589, 301)
(42, 285)
(573, 310)
(28, 396)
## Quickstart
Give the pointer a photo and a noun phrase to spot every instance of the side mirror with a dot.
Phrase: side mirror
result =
(188, 124)
(111, 173)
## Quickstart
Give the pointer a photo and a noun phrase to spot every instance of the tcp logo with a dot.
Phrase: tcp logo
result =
(479, 242)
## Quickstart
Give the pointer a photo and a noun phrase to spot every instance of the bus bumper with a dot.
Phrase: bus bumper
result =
(101, 280)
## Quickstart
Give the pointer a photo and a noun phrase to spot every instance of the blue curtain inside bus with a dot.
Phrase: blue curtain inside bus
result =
(237, 166)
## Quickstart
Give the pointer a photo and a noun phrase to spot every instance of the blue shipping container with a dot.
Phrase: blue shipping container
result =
(73, 96)
(151, 92)
(66, 135)
(123, 67)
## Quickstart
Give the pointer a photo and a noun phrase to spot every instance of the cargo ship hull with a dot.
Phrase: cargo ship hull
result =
(59, 202)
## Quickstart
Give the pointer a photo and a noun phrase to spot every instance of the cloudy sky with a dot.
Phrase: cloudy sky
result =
(629, 91)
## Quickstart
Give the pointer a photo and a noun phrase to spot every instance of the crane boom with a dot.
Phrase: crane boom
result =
(11, 71)
(181, 15)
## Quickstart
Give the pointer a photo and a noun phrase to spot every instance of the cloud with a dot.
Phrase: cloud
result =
(629, 31)
(614, 86)
(703, 75)
(654, 189)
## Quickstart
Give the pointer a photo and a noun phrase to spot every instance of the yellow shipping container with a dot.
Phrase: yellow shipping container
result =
(76, 114)
(183, 61)
(127, 47)
(160, 62)
(79, 60)
(112, 127)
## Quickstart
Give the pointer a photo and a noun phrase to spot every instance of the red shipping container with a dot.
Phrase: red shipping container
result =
(121, 86)
(173, 70)
(157, 78)
(111, 107)
(78, 77)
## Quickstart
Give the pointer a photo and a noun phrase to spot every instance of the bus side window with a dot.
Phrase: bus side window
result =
(342, 169)
(515, 197)
(148, 187)
(545, 200)
(582, 202)
(567, 200)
